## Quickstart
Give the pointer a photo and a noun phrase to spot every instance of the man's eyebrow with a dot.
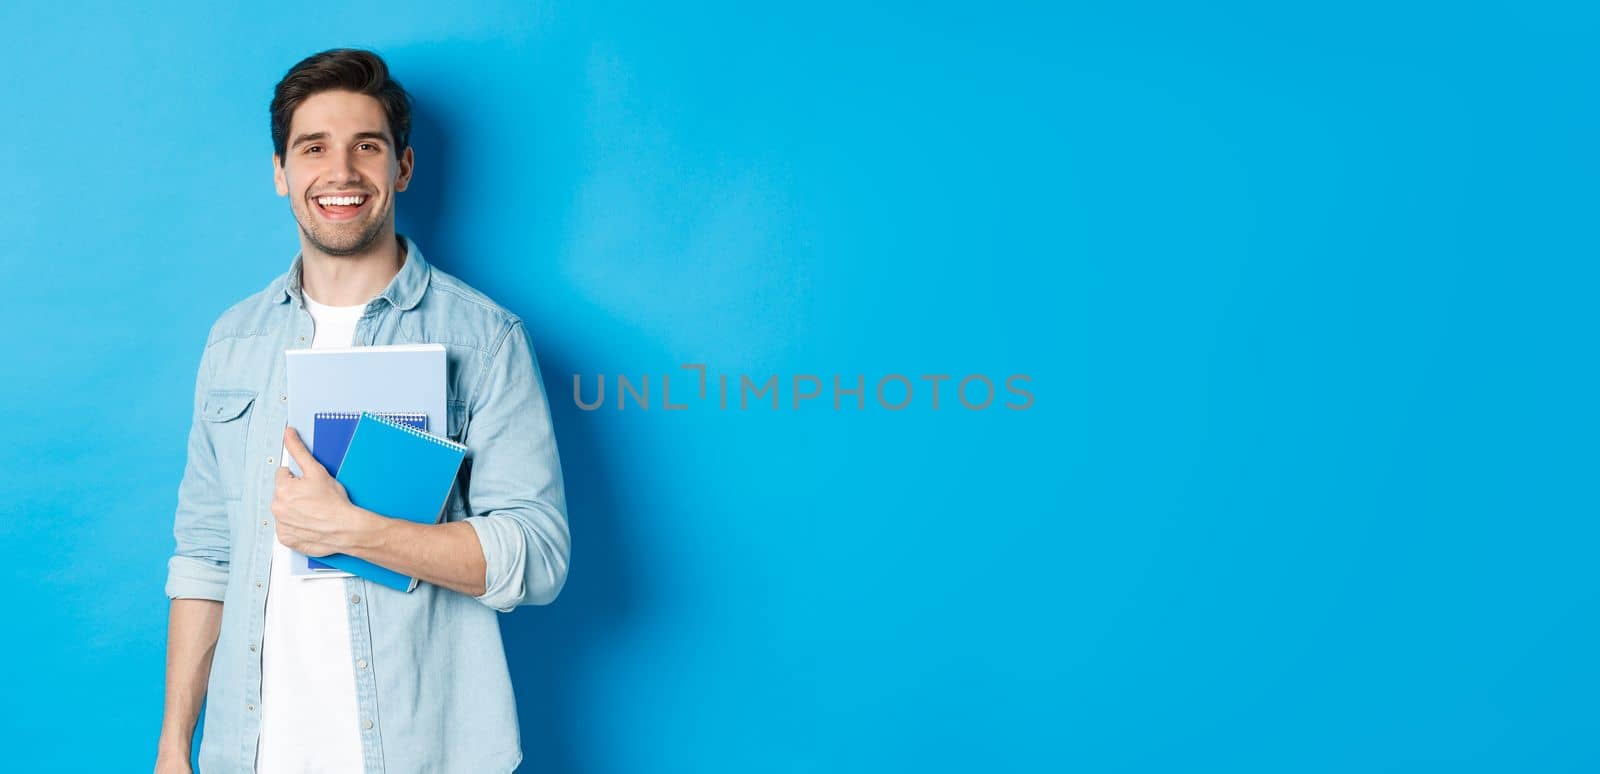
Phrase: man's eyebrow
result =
(323, 136)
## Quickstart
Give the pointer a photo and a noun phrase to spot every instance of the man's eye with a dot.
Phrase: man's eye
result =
(313, 148)
(369, 145)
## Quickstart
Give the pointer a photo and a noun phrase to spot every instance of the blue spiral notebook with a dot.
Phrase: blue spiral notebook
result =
(330, 439)
(397, 471)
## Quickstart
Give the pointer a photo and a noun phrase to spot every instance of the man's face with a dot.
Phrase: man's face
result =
(339, 145)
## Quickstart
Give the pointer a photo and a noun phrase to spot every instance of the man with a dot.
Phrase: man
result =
(337, 674)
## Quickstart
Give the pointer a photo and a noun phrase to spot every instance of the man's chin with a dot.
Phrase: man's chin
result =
(343, 244)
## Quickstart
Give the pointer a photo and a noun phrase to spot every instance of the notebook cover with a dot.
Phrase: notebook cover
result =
(331, 436)
(400, 472)
(383, 378)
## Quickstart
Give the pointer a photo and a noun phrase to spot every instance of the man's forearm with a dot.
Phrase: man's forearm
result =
(446, 554)
(192, 629)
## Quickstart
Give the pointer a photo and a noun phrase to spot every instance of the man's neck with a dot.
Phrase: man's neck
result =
(349, 280)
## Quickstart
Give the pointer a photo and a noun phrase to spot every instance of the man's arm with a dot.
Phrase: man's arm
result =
(316, 517)
(198, 567)
(197, 580)
(447, 555)
(192, 629)
(515, 490)
(512, 551)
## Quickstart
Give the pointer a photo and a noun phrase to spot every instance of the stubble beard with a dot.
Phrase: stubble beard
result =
(341, 239)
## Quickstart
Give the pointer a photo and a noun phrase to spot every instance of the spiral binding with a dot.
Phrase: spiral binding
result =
(418, 433)
(397, 415)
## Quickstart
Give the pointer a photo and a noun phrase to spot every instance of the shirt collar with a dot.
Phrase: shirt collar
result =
(404, 291)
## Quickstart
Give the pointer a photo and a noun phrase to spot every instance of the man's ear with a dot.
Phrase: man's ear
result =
(277, 176)
(407, 161)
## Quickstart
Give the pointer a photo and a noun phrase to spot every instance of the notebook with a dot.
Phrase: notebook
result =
(383, 378)
(386, 378)
(398, 471)
(331, 436)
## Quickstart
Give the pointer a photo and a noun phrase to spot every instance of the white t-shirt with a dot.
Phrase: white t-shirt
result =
(308, 687)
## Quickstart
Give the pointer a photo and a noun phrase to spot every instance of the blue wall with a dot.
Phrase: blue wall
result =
(1307, 300)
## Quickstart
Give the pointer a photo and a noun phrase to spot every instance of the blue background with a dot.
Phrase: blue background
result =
(1307, 298)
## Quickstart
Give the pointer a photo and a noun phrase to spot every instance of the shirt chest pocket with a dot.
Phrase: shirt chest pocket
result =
(226, 413)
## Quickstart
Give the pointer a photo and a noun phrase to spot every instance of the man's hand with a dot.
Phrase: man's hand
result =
(315, 516)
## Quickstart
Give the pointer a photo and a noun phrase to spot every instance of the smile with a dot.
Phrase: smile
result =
(341, 207)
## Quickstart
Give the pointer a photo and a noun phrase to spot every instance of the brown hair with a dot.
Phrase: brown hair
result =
(347, 69)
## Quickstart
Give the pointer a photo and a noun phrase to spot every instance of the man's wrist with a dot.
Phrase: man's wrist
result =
(170, 747)
(365, 529)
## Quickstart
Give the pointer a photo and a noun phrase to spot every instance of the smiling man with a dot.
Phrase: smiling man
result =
(319, 674)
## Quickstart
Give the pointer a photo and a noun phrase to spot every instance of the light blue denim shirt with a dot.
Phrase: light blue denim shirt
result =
(432, 685)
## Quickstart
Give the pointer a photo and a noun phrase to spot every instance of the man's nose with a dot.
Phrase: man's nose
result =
(343, 165)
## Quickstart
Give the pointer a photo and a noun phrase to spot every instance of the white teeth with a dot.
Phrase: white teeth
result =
(327, 200)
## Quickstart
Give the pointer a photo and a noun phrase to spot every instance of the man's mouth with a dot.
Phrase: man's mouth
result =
(341, 206)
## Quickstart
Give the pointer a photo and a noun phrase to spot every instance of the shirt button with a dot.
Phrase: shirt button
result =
(249, 708)
(252, 647)
(263, 522)
(270, 460)
(355, 599)
(283, 397)
(361, 663)
(258, 584)
(366, 722)
(302, 338)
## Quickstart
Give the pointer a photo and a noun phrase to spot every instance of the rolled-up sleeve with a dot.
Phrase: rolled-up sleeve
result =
(515, 489)
(198, 567)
